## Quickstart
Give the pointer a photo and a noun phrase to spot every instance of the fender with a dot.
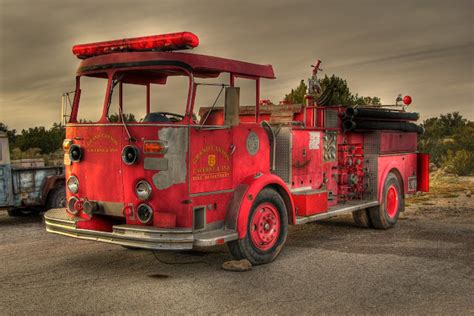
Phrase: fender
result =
(393, 164)
(244, 196)
(49, 184)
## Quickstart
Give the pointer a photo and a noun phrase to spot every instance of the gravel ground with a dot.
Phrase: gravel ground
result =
(423, 265)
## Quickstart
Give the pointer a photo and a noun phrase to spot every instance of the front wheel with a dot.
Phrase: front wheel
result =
(267, 229)
(386, 214)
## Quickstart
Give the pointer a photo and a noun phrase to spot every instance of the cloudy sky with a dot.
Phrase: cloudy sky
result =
(421, 48)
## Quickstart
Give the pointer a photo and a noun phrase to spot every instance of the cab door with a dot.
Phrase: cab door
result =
(210, 160)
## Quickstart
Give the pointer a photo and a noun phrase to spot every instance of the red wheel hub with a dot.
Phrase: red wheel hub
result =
(391, 201)
(265, 226)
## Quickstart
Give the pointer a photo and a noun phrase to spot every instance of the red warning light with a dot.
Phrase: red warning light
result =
(407, 100)
(164, 42)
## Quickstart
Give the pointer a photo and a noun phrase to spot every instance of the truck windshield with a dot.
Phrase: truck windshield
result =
(136, 96)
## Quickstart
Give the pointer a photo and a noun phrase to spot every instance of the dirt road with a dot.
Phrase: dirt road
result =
(423, 265)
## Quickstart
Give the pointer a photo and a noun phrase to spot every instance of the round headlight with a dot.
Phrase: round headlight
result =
(73, 184)
(143, 190)
(129, 155)
(75, 153)
(144, 213)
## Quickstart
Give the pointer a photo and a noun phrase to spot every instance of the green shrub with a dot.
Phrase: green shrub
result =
(460, 162)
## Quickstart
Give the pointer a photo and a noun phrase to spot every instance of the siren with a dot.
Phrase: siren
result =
(407, 100)
(164, 42)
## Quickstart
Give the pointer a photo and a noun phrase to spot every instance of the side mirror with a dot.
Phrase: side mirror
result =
(231, 107)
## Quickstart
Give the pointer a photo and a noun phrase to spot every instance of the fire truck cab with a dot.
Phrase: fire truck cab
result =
(204, 174)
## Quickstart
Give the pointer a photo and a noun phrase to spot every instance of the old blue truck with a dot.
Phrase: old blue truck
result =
(27, 186)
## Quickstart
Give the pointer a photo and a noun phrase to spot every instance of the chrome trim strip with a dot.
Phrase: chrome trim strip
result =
(339, 209)
(302, 189)
(210, 238)
(148, 237)
(211, 192)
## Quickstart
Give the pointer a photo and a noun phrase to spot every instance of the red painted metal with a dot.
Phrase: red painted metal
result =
(423, 172)
(265, 226)
(307, 159)
(391, 201)
(310, 203)
(403, 165)
(201, 65)
(96, 223)
(398, 142)
(164, 220)
(170, 41)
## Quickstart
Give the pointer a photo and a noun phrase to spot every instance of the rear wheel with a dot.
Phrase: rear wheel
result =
(386, 214)
(267, 229)
(361, 218)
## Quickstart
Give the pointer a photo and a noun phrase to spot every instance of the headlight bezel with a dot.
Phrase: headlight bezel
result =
(130, 155)
(143, 190)
(76, 183)
(75, 153)
(149, 214)
(71, 205)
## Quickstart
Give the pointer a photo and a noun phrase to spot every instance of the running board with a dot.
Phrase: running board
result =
(348, 207)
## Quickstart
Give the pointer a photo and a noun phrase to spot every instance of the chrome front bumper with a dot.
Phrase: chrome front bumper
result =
(58, 221)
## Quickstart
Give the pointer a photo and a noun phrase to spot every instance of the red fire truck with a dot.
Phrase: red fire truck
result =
(208, 168)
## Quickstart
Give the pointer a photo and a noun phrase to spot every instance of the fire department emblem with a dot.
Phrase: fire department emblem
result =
(253, 143)
(211, 160)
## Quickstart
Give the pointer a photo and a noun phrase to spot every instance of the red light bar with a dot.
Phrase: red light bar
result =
(164, 42)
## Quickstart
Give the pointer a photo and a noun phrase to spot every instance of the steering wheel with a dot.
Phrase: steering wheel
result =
(174, 117)
(163, 117)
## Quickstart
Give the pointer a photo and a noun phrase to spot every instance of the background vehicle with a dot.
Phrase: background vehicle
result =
(207, 170)
(27, 186)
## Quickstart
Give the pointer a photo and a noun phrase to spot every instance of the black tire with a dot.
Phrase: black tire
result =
(17, 212)
(56, 198)
(380, 216)
(14, 212)
(362, 218)
(245, 248)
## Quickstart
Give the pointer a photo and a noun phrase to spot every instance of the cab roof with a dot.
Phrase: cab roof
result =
(202, 66)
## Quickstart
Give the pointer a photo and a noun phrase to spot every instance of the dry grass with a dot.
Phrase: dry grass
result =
(443, 186)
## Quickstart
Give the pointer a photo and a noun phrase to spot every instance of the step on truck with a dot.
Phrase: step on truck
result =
(181, 152)
(27, 186)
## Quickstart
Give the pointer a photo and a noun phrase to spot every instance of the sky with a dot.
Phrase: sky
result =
(424, 49)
